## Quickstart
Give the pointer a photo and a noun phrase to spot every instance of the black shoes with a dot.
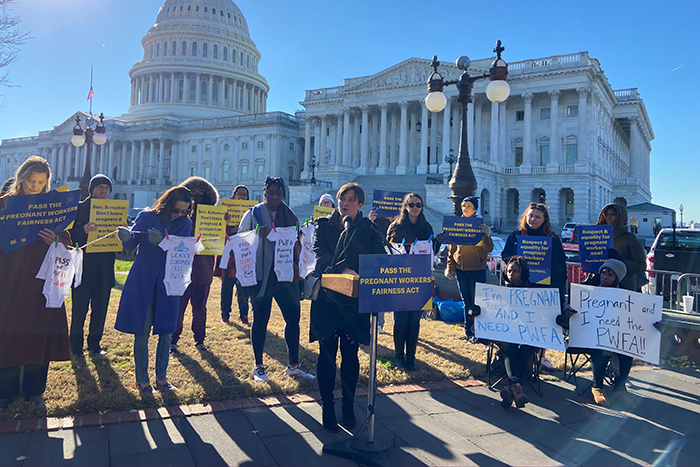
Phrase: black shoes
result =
(349, 420)
(329, 421)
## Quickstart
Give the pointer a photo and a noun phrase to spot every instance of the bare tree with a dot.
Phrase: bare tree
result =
(10, 39)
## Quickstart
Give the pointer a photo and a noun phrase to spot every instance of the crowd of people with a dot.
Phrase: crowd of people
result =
(31, 335)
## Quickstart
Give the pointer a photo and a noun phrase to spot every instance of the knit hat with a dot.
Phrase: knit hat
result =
(474, 200)
(100, 179)
(326, 196)
(616, 266)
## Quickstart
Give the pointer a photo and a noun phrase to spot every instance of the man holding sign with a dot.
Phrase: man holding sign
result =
(98, 266)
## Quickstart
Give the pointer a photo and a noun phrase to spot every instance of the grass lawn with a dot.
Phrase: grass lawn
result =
(107, 384)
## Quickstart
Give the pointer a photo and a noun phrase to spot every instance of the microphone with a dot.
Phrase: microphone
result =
(386, 243)
(347, 220)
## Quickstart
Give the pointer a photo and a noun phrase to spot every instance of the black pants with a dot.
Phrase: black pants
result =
(349, 366)
(82, 298)
(516, 361)
(599, 362)
(33, 383)
(227, 297)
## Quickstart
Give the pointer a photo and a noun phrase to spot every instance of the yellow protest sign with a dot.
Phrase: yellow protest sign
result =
(322, 211)
(210, 222)
(236, 208)
(63, 189)
(108, 214)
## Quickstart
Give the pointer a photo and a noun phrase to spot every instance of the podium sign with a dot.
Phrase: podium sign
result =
(395, 283)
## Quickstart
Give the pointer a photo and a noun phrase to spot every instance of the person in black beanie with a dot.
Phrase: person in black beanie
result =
(98, 276)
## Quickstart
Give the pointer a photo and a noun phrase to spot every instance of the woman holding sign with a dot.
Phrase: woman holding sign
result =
(145, 303)
(468, 264)
(31, 335)
(335, 319)
(409, 226)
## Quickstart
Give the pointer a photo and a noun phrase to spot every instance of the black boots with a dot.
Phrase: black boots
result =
(411, 345)
(399, 343)
(329, 421)
(348, 407)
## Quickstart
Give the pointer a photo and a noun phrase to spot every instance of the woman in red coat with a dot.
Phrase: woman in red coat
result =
(31, 335)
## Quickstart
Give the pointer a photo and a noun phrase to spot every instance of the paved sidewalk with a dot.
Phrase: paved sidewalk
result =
(458, 426)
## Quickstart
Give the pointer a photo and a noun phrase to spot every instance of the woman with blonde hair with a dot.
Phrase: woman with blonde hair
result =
(31, 335)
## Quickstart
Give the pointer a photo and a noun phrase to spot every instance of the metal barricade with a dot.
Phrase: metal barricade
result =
(688, 285)
(664, 283)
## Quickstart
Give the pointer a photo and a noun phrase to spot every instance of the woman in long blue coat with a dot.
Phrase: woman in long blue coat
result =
(144, 302)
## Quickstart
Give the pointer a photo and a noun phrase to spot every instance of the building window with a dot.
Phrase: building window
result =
(181, 91)
(184, 48)
(203, 92)
(544, 155)
(193, 90)
(260, 171)
(244, 172)
(193, 171)
(572, 111)
(165, 49)
(226, 171)
(291, 146)
(244, 146)
(519, 115)
(233, 55)
(545, 113)
(261, 144)
(194, 49)
(158, 49)
(247, 61)
(207, 171)
(518, 156)
(241, 58)
(215, 93)
(225, 57)
(227, 147)
(205, 50)
(174, 51)
(328, 130)
(571, 154)
(216, 52)
(207, 148)
(194, 149)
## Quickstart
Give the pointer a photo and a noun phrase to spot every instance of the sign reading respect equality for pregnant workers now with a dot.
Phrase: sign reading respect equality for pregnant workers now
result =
(107, 214)
(594, 241)
(210, 222)
(387, 203)
(395, 283)
(616, 320)
(26, 215)
(537, 251)
(519, 315)
(462, 230)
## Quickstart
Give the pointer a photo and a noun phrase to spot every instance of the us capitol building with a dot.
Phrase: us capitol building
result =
(198, 106)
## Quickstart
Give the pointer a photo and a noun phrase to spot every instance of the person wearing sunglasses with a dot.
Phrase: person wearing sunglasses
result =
(467, 263)
(410, 225)
(144, 303)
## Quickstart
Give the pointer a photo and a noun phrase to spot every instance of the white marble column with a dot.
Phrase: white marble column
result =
(393, 142)
(161, 90)
(502, 133)
(478, 112)
(528, 156)
(363, 169)
(174, 162)
(317, 139)
(121, 171)
(444, 167)
(423, 156)
(59, 162)
(54, 159)
(583, 139)
(323, 142)
(173, 85)
(337, 157)
(554, 142)
(197, 92)
(493, 154)
(161, 162)
(306, 172)
(110, 160)
(151, 156)
(356, 140)
(347, 153)
(402, 167)
(132, 169)
(382, 167)
(143, 162)
(636, 167)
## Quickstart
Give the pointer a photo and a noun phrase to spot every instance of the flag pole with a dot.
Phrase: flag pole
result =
(91, 90)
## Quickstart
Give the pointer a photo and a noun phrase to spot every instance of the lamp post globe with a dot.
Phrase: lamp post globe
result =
(88, 136)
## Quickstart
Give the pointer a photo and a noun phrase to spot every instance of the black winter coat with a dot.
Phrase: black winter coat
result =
(421, 230)
(98, 268)
(331, 311)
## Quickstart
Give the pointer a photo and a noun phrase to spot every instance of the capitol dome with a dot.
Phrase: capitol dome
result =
(198, 61)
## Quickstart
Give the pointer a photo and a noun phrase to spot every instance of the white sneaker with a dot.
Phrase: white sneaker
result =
(298, 371)
(259, 374)
(546, 364)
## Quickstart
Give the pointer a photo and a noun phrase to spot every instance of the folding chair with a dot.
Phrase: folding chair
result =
(574, 361)
(494, 365)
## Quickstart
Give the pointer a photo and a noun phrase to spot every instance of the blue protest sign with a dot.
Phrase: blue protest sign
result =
(387, 203)
(395, 283)
(537, 251)
(594, 241)
(462, 230)
(26, 215)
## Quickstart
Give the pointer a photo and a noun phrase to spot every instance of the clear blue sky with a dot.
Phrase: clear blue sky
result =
(311, 44)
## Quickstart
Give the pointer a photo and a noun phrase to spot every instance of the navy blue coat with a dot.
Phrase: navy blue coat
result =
(147, 274)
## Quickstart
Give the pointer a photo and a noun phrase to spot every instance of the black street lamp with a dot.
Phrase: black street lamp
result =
(451, 159)
(313, 165)
(463, 182)
(681, 210)
(88, 136)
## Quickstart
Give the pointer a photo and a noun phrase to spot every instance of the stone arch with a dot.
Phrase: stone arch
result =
(485, 205)
(512, 205)
(539, 196)
(566, 205)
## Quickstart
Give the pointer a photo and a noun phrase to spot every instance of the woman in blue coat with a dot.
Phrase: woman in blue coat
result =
(144, 303)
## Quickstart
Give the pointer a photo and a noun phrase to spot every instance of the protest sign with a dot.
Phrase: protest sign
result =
(616, 320)
(519, 315)
(322, 211)
(537, 251)
(210, 222)
(387, 203)
(26, 215)
(462, 230)
(307, 258)
(236, 208)
(395, 283)
(594, 241)
(108, 214)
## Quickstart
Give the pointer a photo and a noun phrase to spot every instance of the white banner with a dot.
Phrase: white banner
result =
(519, 315)
(616, 320)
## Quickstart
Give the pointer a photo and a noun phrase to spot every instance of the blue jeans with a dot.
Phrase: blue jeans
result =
(466, 281)
(141, 351)
(380, 319)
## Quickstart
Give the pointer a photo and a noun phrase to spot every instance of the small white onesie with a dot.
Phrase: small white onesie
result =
(307, 260)
(423, 247)
(284, 238)
(244, 247)
(59, 269)
(178, 263)
(396, 249)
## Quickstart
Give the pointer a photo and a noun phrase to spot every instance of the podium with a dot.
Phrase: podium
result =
(344, 284)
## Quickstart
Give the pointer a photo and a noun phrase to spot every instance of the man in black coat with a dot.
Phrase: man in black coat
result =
(98, 276)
